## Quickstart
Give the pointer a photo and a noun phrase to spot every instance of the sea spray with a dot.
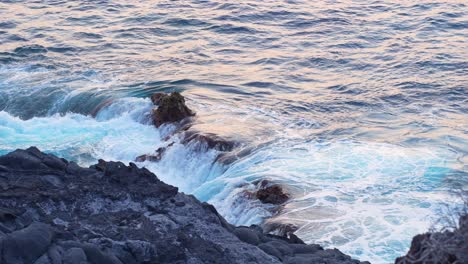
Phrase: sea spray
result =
(359, 196)
(366, 198)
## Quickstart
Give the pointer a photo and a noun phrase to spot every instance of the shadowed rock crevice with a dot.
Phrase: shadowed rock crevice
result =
(54, 211)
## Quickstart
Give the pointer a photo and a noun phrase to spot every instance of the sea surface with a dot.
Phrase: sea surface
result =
(359, 108)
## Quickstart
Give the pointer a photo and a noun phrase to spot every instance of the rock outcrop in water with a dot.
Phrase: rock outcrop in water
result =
(53, 211)
(171, 108)
(439, 247)
(271, 193)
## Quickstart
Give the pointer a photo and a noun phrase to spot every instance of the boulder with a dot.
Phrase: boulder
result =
(75, 256)
(271, 193)
(171, 108)
(247, 235)
(25, 245)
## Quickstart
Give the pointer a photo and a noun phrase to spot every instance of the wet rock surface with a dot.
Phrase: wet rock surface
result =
(439, 247)
(271, 193)
(157, 156)
(170, 108)
(208, 141)
(54, 211)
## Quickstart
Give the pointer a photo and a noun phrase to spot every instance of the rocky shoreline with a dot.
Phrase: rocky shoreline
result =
(439, 247)
(54, 211)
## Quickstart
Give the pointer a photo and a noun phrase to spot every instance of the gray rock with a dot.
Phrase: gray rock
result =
(44, 259)
(283, 247)
(247, 235)
(96, 256)
(55, 254)
(269, 249)
(142, 251)
(23, 160)
(305, 249)
(75, 256)
(26, 245)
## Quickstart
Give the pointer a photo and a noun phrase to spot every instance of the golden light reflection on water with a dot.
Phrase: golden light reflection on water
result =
(297, 62)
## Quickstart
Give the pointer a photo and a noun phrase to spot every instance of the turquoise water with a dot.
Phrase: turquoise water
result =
(358, 108)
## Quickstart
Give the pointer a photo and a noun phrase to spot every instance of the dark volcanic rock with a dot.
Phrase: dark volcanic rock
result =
(148, 157)
(156, 97)
(208, 140)
(171, 108)
(34, 239)
(53, 211)
(271, 193)
(439, 247)
(156, 157)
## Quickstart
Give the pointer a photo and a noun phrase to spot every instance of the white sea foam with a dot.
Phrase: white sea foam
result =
(83, 138)
(367, 199)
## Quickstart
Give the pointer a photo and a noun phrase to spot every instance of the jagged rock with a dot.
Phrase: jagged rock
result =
(208, 140)
(156, 97)
(439, 247)
(271, 193)
(53, 211)
(281, 229)
(171, 108)
(148, 157)
(156, 157)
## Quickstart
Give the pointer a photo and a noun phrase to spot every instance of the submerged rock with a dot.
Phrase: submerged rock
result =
(171, 108)
(439, 247)
(53, 211)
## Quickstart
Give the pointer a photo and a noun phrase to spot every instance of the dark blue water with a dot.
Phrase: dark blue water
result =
(359, 108)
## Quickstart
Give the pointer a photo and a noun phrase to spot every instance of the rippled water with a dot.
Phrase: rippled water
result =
(359, 108)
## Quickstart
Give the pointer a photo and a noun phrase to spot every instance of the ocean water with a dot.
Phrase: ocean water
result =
(358, 108)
